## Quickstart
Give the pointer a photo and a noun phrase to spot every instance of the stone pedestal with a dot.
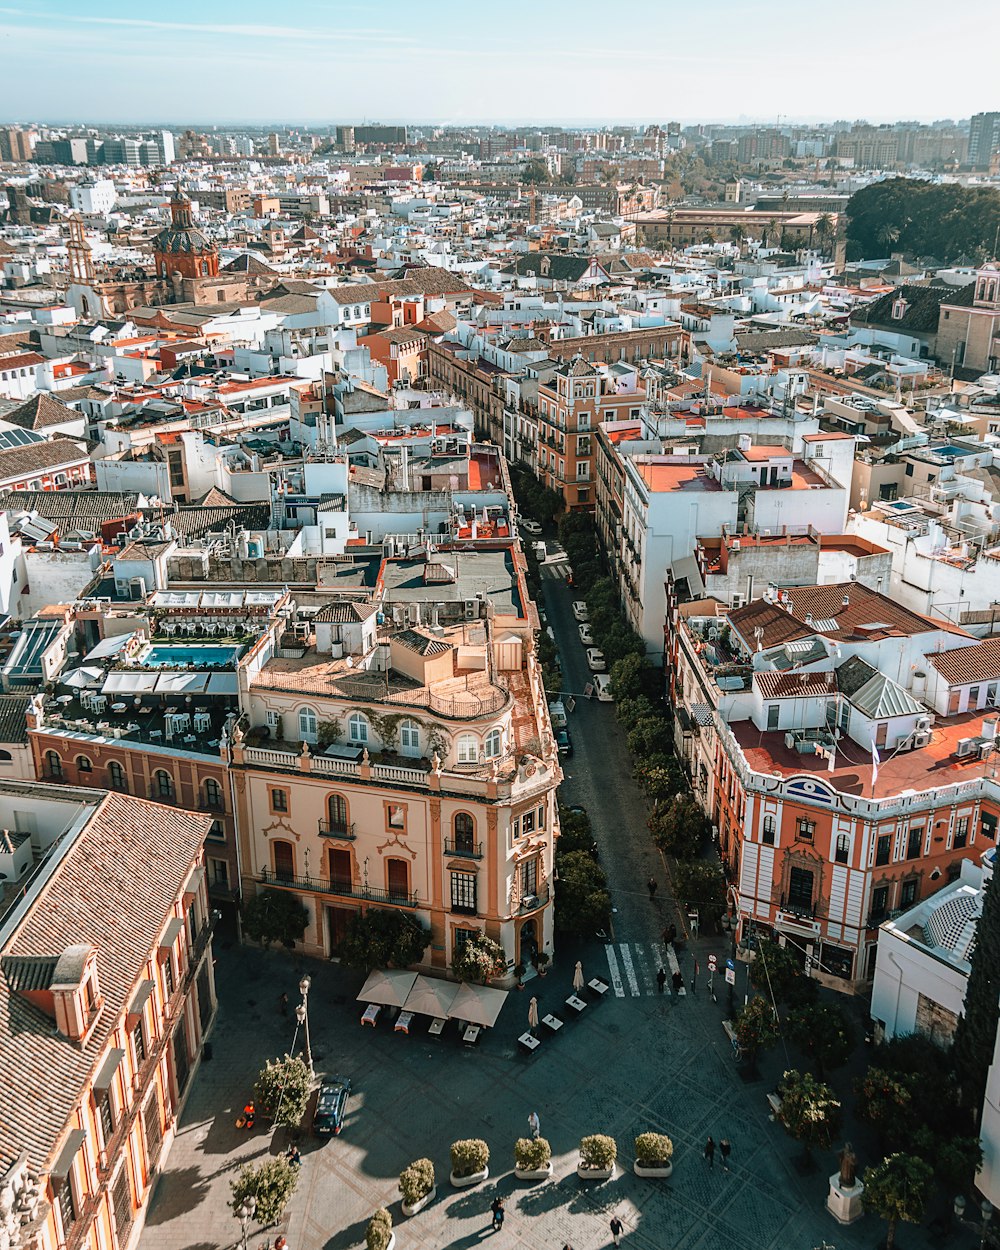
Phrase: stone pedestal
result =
(844, 1201)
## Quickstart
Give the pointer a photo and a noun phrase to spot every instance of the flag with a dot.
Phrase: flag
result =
(876, 760)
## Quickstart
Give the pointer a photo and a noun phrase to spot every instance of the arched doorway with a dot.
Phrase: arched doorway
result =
(527, 944)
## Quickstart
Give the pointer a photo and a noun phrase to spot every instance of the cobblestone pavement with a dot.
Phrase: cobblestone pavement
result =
(630, 1063)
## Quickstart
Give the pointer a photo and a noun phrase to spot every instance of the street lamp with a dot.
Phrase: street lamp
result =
(302, 1016)
(985, 1211)
(245, 1212)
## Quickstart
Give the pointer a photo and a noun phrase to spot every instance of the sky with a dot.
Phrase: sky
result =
(463, 62)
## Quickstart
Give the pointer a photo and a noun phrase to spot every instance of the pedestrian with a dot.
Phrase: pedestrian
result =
(281, 1243)
(249, 1115)
(293, 1156)
(651, 887)
(534, 1124)
(672, 934)
(710, 1152)
(661, 979)
(677, 981)
(496, 1206)
(724, 1149)
(617, 1228)
(283, 1004)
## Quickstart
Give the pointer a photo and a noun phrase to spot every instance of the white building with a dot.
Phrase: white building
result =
(95, 197)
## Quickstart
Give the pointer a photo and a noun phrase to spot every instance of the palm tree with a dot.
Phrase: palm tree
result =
(738, 234)
(824, 228)
(772, 226)
(888, 234)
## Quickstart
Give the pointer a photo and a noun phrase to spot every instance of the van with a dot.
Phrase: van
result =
(602, 687)
(540, 553)
(557, 714)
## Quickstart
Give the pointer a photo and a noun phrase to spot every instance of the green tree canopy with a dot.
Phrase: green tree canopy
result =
(270, 1183)
(282, 1090)
(274, 916)
(897, 1189)
(478, 959)
(584, 903)
(777, 972)
(822, 1032)
(809, 1110)
(885, 1103)
(699, 883)
(975, 1036)
(680, 828)
(756, 1028)
(383, 938)
(942, 220)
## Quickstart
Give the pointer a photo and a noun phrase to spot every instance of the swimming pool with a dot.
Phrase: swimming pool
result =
(170, 655)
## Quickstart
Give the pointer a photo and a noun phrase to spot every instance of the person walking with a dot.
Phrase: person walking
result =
(293, 1155)
(496, 1206)
(672, 934)
(534, 1124)
(677, 981)
(725, 1149)
(661, 979)
(710, 1152)
(651, 887)
(617, 1228)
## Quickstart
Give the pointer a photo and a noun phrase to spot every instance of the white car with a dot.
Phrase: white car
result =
(595, 659)
(602, 688)
(532, 527)
(586, 637)
(580, 610)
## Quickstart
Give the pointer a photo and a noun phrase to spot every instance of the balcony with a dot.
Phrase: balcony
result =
(463, 848)
(342, 889)
(533, 902)
(802, 908)
(337, 829)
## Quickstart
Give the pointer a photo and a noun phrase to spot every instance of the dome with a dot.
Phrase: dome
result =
(174, 240)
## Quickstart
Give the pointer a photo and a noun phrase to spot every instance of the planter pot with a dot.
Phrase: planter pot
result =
(392, 1241)
(534, 1174)
(594, 1174)
(476, 1178)
(419, 1205)
(654, 1172)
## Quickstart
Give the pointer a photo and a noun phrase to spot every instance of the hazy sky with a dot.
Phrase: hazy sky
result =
(464, 61)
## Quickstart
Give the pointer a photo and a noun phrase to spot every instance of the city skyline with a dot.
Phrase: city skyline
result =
(111, 66)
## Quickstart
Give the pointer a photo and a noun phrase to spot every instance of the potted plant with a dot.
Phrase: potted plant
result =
(532, 1159)
(469, 1162)
(519, 971)
(416, 1184)
(379, 1234)
(597, 1158)
(654, 1153)
(541, 959)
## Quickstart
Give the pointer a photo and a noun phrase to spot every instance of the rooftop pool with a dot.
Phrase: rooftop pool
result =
(179, 655)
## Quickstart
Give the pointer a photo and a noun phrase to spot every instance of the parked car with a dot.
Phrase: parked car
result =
(530, 526)
(331, 1106)
(595, 658)
(602, 688)
(557, 714)
(580, 610)
(586, 637)
(564, 743)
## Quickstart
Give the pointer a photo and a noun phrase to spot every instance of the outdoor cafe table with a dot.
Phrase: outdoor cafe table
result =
(529, 1041)
(471, 1034)
(371, 1014)
(577, 1004)
(403, 1022)
(552, 1022)
(437, 1026)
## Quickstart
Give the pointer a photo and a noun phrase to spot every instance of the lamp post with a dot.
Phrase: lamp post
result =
(302, 1015)
(245, 1212)
(985, 1211)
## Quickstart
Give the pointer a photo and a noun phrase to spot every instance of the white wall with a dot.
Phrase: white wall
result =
(56, 577)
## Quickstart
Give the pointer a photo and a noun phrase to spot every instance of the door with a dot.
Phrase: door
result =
(398, 876)
(338, 919)
(340, 870)
(284, 861)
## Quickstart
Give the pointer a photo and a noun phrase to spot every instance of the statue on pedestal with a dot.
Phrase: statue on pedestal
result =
(848, 1166)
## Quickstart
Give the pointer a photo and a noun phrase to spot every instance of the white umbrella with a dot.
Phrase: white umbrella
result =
(430, 998)
(578, 981)
(533, 1014)
(87, 676)
(388, 986)
(478, 1004)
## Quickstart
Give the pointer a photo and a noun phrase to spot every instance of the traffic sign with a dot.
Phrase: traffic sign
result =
(730, 976)
(712, 963)
(731, 965)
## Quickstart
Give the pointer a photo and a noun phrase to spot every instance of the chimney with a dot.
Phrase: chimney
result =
(846, 601)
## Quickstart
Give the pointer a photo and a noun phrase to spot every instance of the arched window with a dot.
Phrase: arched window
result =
(336, 811)
(213, 794)
(284, 861)
(493, 744)
(308, 724)
(409, 738)
(83, 765)
(467, 749)
(116, 777)
(53, 764)
(358, 728)
(465, 832)
(163, 784)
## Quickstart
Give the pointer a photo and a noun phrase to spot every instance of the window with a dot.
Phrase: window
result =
(913, 840)
(493, 744)
(883, 848)
(528, 822)
(106, 1115)
(529, 877)
(842, 851)
(465, 832)
(139, 1044)
(336, 813)
(800, 889)
(395, 815)
(909, 470)
(213, 794)
(908, 894)
(67, 1207)
(463, 893)
(163, 784)
(773, 713)
(279, 800)
(308, 724)
(358, 728)
(116, 777)
(880, 903)
(168, 975)
(83, 765)
(767, 835)
(53, 764)
(218, 873)
(273, 719)
(515, 828)
(468, 749)
(409, 737)
(961, 830)
(806, 829)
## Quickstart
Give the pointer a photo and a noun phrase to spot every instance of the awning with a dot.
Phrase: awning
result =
(181, 683)
(477, 1004)
(64, 1161)
(193, 884)
(222, 683)
(173, 930)
(108, 647)
(129, 683)
(102, 1082)
(430, 998)
(388, 986)
(140, 998)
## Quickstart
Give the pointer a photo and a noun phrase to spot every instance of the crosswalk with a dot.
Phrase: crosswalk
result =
(632, 967)
(555, 570)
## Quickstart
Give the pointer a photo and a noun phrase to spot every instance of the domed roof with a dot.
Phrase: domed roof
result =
(173, 240)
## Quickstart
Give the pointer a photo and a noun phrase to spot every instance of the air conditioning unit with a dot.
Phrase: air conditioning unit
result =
(734, 545)
(923, 724)
(965, 746)
(529, 902)
(471, 609)
(921, 739)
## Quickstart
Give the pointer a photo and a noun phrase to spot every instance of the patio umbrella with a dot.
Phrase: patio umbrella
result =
(388, 986)
(89, 675)
(578, 981)
(533, 1014)
(478, 1004)
(430, 998)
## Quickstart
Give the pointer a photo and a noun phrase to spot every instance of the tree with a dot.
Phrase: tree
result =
(680, 827)
(274, 916)
(575, 830)
(897, 1189)
(270, 1183)
(282, 1090)
(808, 1111)
(383, 938)
(738, 235)
(778, 973)
(888, 234)
(584, 903)
(886, 1104)
(824, 228)
(756, 1028)
(478, 959)
(660, 776)
(699, 883)
(626, 676)
(976, 1033)
(535, 172)
(946, 220)
(821, 1032)
(649, 736)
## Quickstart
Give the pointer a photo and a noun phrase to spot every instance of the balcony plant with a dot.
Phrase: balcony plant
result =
(416, 1184)
(379, 1234)
(654, 1153)
(598, 1153)
(519, 971)
(532, 1159)
(541, 962)
(469, 1162)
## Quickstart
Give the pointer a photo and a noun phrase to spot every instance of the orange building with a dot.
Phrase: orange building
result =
(182, 248)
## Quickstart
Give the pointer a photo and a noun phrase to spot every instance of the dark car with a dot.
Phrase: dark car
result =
(564, 743)
(331, 1106)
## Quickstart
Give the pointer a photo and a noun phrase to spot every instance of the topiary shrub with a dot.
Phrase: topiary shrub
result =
(416, 1181)
(653, 1150)
(379, 1231)
(598, 1151)
(469, 1157)
(270, 1183)
(531, 1154)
